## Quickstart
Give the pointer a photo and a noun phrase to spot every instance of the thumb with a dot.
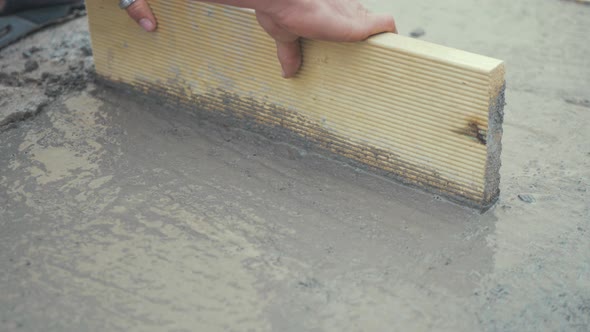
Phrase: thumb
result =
(289, 54)
(372, 25)
(142, 14)
(381, 23)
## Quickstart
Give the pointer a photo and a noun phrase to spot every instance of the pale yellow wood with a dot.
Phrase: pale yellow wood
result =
(423, 113)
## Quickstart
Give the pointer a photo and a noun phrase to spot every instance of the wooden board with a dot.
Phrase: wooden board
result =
(421, 113)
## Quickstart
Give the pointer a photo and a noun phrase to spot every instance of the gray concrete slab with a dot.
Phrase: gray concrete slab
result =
(118, 214)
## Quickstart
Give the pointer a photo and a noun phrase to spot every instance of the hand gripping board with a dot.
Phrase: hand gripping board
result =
(424, 114)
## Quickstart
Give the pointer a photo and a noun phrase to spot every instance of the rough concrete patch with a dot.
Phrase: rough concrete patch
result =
(18, 104)
(55, 61)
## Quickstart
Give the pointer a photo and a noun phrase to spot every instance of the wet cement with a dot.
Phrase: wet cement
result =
(122, 215)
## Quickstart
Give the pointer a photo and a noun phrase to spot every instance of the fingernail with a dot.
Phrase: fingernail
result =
(146, 24)
(283, 73)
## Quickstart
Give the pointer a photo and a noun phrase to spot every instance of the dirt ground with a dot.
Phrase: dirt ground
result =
(118, 214)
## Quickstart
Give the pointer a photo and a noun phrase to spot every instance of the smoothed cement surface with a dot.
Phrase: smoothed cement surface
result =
(122, 215)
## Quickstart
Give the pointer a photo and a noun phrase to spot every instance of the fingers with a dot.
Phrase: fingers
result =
(377, 23)
(381, 23)
(142, 14)
(371, 25)
(288, 46)
(289, 54)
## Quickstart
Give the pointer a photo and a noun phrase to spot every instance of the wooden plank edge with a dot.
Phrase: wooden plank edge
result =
(494, 135)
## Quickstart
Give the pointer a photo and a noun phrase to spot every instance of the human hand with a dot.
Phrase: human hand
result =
(286, 21)
(141, 12)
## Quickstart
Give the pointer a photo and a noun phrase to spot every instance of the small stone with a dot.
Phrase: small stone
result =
(418, 32)
(31, 65)
(526, 198)
(26, 54)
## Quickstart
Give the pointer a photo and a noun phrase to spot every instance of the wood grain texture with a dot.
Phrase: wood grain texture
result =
(421, 113)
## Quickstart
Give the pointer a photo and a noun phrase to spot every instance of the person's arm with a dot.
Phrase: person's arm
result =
(288, 20)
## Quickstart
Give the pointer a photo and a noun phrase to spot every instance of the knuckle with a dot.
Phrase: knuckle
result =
(274, 30)
(138, 9)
